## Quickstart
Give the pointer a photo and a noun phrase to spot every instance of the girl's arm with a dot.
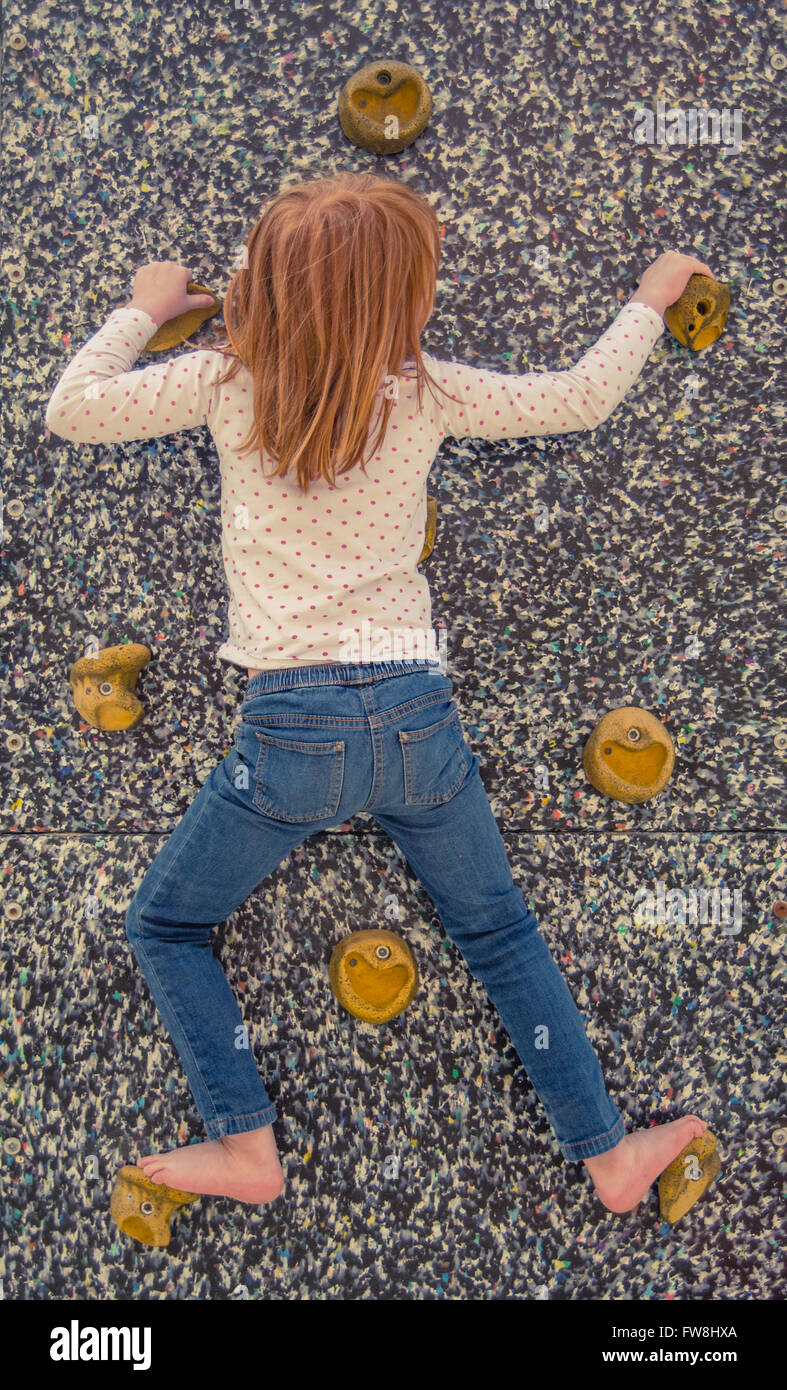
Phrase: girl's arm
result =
(496, 405)
(99, 401)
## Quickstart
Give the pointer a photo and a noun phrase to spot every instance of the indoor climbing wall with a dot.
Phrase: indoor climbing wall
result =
(640, 565)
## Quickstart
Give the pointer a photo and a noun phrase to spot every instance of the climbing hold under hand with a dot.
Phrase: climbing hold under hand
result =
(688, 1176)
(373, 974)
(629, 755)
(384, 107)
(174, 331)
(143, 1209)
(103, 683)
(698, 317)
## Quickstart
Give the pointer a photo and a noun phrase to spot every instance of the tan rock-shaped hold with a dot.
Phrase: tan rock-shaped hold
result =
(102, 685)
(688, 1176)
(174, 331)
(384, 106)
(431, 528)
(143, 1209)
(629, 755)
(373, 974)
(697, 319)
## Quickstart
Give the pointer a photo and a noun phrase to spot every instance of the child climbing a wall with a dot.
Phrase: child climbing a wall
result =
(325, 440)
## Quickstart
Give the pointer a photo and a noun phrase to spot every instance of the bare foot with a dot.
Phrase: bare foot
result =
(244, 1166)
(622, 1175)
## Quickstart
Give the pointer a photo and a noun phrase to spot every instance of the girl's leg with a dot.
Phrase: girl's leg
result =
(457, 852)
(217, 855)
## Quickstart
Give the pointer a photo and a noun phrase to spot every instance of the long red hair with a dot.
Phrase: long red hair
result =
(340, 280)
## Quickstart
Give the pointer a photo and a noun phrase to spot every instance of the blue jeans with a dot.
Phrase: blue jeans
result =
(316, 745)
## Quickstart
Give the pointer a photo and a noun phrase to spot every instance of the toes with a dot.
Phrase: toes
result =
(156, 1172)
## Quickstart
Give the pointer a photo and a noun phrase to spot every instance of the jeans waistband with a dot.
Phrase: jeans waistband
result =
(354, 673)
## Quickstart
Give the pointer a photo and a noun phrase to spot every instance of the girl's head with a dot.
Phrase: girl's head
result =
(339, 283)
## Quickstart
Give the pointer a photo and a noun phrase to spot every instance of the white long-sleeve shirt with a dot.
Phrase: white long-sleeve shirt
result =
(331, 575)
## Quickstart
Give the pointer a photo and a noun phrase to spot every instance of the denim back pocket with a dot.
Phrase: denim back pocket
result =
(436, 761)
(296, 780)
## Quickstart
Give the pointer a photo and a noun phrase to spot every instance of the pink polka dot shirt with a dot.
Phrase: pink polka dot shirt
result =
(331, 575)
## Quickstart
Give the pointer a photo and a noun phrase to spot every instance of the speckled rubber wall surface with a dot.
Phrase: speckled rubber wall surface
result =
(640, 564)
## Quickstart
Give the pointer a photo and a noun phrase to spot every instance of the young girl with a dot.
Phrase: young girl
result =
(325, 443)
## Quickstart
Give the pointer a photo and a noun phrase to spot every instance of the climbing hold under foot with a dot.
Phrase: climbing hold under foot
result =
(688, 1176)
(103, 685)
(144, 1209)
